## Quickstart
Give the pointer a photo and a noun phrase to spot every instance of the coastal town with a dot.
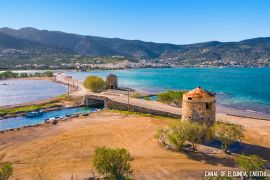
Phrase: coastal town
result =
(125, 63)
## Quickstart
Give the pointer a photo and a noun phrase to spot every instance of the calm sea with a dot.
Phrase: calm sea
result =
(21, 91)
(242, 88)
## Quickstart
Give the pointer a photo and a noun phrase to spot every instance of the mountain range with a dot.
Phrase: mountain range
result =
(43, 43)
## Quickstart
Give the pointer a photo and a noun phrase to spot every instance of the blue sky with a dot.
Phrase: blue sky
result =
(171, 21)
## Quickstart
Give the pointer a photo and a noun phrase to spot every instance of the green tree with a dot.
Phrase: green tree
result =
(94, 83)
(37, 74)
(171, 97)
(8, 74)
(195, 133)
(23, 75)
(48, 74)
(178, 134)
(5, 171)
(112, 163)
(251, 163)
(228, 133)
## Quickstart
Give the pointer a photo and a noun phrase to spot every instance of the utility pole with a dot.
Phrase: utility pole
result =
(68, 89)
(128, 100)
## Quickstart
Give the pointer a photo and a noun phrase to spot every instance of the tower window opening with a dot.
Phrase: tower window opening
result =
(189, 98)
(207, 106)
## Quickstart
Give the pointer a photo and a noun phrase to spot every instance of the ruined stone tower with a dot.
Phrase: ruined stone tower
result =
(199, 105)
(111, 81)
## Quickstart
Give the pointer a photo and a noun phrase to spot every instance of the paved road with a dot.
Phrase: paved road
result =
(143, 103)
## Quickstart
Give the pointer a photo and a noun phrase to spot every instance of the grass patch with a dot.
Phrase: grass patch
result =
(140, 114)
(171, 97)
(10, 111)
(62, 96)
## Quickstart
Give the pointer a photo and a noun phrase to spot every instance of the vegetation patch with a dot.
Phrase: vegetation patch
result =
(5, 171)
(227, 133)
(23, 109)
(251, 163)
(181, 133)
(171, 97)
(95, 84)
(112, 163)
(147, 98)
(136, 95)
(65, 97)
(141, 114)
(10, 74)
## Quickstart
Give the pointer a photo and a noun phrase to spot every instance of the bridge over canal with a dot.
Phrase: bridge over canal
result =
(116, 101)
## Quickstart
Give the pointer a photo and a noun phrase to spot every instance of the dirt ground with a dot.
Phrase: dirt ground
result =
(65, 150)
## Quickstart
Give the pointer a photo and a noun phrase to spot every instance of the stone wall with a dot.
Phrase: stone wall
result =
(112, 81)
(197, 111)
(124, 107)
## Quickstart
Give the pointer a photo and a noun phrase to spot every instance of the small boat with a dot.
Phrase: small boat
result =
(85, 114)
(53, 120)
(34, 114)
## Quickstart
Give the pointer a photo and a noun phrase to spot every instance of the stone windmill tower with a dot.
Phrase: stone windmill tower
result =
(112, 81)
(199, 105)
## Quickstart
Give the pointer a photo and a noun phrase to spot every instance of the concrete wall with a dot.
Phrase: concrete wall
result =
(93, 101)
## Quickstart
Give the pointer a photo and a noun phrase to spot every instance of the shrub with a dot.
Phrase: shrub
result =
(37, 74)
(147, 98)
(5, 171)
(171, 97)
(23, 75)
(8, 74)
(113, 163)
(136, 95)
(162, 136)
(94, 83)
(177, 134)
(228, 133)
(180, 133)
(48, 73)
(251, 163)
(195, 133)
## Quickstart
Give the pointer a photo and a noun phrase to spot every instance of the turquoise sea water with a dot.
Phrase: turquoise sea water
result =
(16, 122)
(22, 91)
(243, 88)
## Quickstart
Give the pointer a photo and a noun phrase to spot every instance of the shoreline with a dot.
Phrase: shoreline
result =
(47, 104)
(242, 113)
(232, 111)
(41, 101)
(220, 109)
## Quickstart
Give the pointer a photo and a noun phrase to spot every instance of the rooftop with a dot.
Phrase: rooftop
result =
(198, 92)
